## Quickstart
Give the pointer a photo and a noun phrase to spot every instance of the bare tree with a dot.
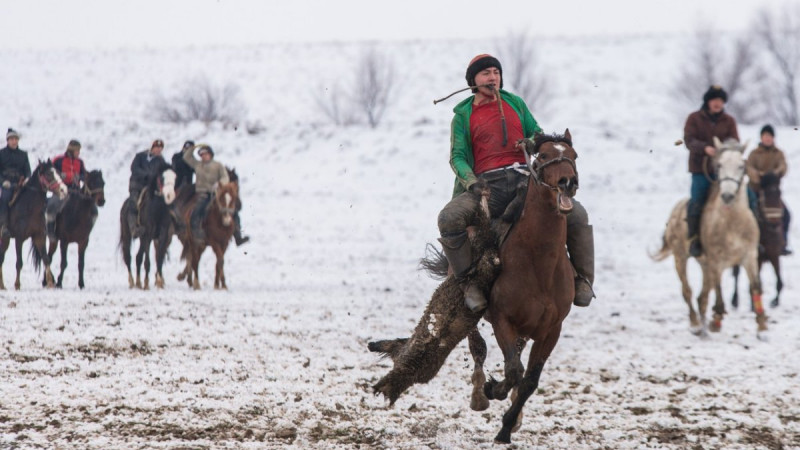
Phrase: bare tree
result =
(373, 88)
(199, 99)
(335, 104)
(523, 70)
(779, 32)
(733, 66)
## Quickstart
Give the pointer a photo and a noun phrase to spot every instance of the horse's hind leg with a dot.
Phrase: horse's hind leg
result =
(540, 351)
(50, 252)
(477, 348)
(146, 284)
(686, 290)
(139, 260)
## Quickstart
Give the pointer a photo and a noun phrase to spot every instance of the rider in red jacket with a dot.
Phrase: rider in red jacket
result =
(72, 171)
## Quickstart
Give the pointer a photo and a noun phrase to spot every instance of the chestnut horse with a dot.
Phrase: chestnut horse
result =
(26, 219)
(770, 225)
(156, 222)
(218, 226)
(533, 293)
(75, 222)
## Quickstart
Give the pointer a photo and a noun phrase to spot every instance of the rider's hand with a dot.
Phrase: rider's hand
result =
(479, 187)
(6, 184)
(525, 145)
(710, 151)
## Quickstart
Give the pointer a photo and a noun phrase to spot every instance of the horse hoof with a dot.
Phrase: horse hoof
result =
(716, 325)
(774, 303)
(696, 330)
(503, 437)
(488, 389)
(762, 336)
(479, 402)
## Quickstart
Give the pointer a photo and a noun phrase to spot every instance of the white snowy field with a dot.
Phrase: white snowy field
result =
(338, 219)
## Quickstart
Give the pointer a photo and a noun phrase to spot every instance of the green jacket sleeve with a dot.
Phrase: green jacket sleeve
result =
(461, 152)
(529, 125)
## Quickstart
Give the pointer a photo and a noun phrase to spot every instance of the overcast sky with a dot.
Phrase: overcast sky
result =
(115, 23)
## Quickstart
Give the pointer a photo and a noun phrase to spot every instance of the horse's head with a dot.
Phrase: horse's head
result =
(554, 167)
(166, 181)
(729, 165)
(226, 198)
(49, 179)
(96, 187)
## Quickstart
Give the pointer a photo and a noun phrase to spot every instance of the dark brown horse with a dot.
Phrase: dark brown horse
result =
(533, 293)
(156, 224)
(218, 226)
(770, 225)
(26, 219)
(75, 222)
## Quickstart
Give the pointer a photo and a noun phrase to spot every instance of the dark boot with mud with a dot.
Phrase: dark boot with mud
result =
(580, 243)
(459, 253)
(693, 222)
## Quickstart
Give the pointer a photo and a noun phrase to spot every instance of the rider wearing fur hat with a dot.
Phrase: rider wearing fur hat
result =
(14, 168)
(73, 171)
(487, 149)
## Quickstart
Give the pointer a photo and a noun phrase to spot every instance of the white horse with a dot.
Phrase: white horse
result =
(729, 233)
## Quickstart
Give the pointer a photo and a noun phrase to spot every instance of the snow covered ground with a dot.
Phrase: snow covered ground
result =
(339, 218)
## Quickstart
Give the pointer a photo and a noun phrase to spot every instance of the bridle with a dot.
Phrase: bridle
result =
(52, 186)
(225, 210)
(739, 180)
(537, 170)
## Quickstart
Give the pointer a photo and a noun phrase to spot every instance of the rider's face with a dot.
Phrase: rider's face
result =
(767, 139)
(12, 142)
(716, 105)
(490, 75)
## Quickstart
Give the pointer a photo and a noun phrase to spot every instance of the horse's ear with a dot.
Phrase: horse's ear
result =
(567, 136)
(717, 142)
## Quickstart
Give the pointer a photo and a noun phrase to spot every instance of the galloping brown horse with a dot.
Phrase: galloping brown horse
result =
(770, 225)
(75, 222)
(533, 293)
(26, 219)
(218, 226)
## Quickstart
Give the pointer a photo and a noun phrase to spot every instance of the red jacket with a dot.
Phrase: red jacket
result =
(72, 169)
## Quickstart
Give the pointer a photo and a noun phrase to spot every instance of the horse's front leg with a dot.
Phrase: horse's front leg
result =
(196, 254)
(702, 300)
(540, 351)
(751, 267)
(63, 263)
(81, 262)
(146, 285)
(219, 278)
(776, 264)
(18, 248)
(139, 261)
(50, 252)
(3, 247)
(719, 306)
(511, 345)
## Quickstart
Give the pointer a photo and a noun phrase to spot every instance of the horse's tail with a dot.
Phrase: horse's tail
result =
(36, 258)
(434, 262)
(664, 252)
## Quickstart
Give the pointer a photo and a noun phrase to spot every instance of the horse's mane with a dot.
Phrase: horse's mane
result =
(152, 179)
(540, 139)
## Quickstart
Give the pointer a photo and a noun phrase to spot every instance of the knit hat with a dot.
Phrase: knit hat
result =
(206, 148)
(713, 92)
(12, 133)
(73, 145)
(768, 129)
(480, 63)
(188, 144)
(157, 143)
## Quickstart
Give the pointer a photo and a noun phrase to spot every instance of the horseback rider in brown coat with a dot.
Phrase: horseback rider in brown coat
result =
(767, 158)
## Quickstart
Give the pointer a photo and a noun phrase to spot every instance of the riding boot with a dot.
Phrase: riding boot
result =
(580, 244)
(458, 251)
(198, 234)
(237, 232)
(693, 222)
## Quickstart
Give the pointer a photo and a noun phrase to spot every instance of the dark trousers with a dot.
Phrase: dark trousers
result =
(458, 214)
(5, 197)
(200, 210)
